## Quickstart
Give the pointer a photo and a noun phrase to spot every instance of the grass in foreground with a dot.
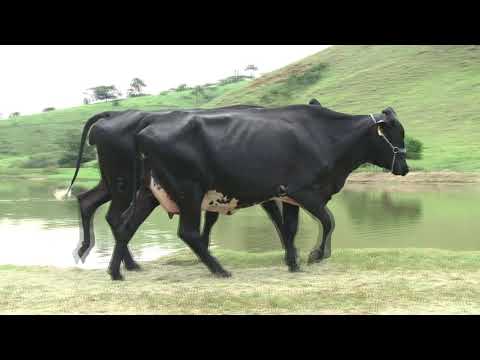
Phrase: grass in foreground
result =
(370, 281)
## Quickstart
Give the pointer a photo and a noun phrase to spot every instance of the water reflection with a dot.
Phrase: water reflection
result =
(381, 208)
(37, 229)
(248, 230)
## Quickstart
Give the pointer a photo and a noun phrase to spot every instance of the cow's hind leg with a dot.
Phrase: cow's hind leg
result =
(122, 237)
(120, 247)
(89, 202)
(146, 203)
(275, 215)
(313, 203)
(210, 220)
(323, 248)
(116, 166)
(189, 228)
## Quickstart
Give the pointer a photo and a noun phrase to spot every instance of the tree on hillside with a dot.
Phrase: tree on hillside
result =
(252, 69)
(48, 109)
(181, 87)
(14, 114)
(88, 97)
(136, 87)
(105, 92)
(198, 91)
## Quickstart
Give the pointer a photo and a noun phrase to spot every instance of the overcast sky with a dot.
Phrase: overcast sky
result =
(35, 77)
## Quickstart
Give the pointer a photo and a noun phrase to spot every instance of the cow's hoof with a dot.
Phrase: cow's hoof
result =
(80, 252)
(294, 268)
(133, 267)
(116, 276)
(223, 274)
(292, 263)
(315, 257)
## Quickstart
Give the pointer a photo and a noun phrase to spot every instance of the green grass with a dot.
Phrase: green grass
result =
(370, 281)
(434, 89)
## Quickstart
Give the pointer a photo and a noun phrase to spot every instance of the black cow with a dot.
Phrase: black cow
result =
(300, 154)
(113, 135)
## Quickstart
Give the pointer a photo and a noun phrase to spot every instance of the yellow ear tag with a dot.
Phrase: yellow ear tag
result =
(379, 130)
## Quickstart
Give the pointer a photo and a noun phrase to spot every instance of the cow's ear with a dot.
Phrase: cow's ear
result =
(314, 102)
(390, 114)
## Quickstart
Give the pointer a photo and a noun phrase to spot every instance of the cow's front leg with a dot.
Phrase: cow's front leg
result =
(290, 223)
(312, 202)
(189, 227)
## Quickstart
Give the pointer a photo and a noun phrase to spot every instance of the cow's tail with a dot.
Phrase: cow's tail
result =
(90, 122)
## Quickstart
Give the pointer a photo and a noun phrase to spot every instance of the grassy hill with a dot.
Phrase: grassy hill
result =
(38, 134)
(434, 89)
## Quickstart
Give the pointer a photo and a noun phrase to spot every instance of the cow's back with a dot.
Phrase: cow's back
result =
(234, 151)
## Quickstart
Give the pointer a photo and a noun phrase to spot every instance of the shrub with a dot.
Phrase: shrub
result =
(308, 77)
(414, 148)
(233, 79)
(70, 144)
(7, 148)
(39, 161)
(91, 164)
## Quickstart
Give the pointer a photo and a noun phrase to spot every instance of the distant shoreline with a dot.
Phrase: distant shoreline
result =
(420, 177)
(363, 177)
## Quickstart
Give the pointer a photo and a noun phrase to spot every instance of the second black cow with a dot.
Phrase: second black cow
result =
(228, 160)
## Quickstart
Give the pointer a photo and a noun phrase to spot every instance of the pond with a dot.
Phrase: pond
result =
(37, 229)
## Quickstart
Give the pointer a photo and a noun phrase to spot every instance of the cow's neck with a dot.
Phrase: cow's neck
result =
(355, 157)
(351, 161)
(350, 141)
(347, 133)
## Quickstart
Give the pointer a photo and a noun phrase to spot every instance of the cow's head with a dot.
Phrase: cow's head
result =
(388, 145)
